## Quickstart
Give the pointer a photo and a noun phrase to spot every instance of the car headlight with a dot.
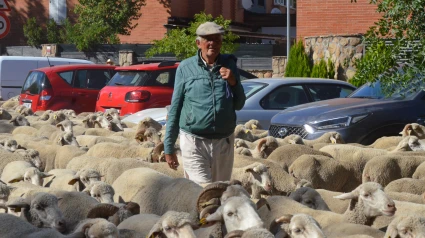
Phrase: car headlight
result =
(336, 123)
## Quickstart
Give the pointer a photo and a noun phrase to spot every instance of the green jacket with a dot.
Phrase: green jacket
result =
(203, 104)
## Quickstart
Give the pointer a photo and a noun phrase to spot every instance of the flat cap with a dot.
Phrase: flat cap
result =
(209, 28)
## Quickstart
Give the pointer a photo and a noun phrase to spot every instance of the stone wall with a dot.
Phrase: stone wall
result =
(343, 50)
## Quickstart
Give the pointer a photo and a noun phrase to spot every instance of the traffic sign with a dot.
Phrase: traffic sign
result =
(4, 6)
(4, 25)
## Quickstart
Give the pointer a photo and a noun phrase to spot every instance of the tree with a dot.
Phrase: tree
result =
(298, 62)
(403, 24)
(320, 70)
(33, 32)
(100, 21)
(181, 41)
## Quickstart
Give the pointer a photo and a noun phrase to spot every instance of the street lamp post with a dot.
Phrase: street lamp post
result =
(288, 27)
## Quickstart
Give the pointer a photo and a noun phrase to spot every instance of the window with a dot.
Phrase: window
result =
(260, 2)
(67, 76)
(36, 81)
(251, 88)
(57, 11)
(284, 97)
(91, 79)
(328, 91)
(144, 78)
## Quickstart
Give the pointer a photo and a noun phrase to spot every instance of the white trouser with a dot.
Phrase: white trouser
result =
(207, 160)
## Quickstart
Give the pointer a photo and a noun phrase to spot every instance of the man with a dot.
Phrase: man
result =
(207, 92)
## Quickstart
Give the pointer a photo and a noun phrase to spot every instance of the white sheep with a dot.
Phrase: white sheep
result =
(413, 129)
(300, 226)
(16, 171)
(263, 149)
(101, 191)
(243, 133)
(406, 226)
(255, 179)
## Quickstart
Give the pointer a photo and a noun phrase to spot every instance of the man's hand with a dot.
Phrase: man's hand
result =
(227, 75)
(172, 161)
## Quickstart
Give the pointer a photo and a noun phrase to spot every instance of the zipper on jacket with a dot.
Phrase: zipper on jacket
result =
(213, 94)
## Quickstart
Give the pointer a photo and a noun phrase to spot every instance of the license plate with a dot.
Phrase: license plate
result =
(27, 104)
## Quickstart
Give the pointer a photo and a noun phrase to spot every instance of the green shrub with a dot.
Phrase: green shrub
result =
(331, 69)
(320, 70)
(53, 32)
(298, 62)
(33, 32)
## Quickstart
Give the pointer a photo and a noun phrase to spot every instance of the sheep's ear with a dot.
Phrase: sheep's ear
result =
(45, 175)
(60, 126)
(263, 202)
(74, 180)
(102, 210)
(346, 196)
(2, 142)
(16, 180)
(249, 170)
(285, 219)
(156, 230)
(21, 147)
(85, 229)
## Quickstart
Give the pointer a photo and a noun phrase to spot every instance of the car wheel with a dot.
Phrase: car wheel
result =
(381, 132)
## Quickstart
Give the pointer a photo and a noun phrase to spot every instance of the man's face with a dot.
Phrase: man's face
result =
(210, 45)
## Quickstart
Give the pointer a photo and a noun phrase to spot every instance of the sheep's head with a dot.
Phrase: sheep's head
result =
(294, 139)
(336, 138)
(406, 226)
(32, 175)
(67, 138)
(243, 133)
(253, 125)
(266, 146)
(414, 129)
(66, 126)
(19, 108)
(301, 183)
(372, 197)
(310, 198)
(70, 113)
(158, 154)
(240, 143)
(259, 175)
(238, 213)
(415, 144)
(235, 190)
(174, 224)
(58, 117)
(32, 156)
(4, 192)
(102, 122)
(19, 121)
(300, 226)
(86, 176)
(4, 114)
(90, 121)
(10, 145)
(26, 112)
(243, 151)
(45, 207)
(101, 191)
(98, 228)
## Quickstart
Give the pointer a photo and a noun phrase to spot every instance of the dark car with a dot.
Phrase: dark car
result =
(65, 87)
(141, 86)
(362, 117)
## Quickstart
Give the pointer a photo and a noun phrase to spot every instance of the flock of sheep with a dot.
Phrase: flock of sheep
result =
(92, 175)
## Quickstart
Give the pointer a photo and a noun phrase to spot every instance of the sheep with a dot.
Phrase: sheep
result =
(19, 121)
(16, 171)
(10, 145)
(386, 168)
(66, 153)
(114, 212)
(56, 118)
(419, 172)
(98, 132)
(46, 115)
(287, 154)
(151, 138)
(101, 191)
(238, 213)
(30, 156)
(171, 224)
(253, 125)
(69, 113)
(310, 198)
(328, 137)
(9, 104)
(86, 177)
(300, 226)
(5, 115)
(413, 129)
(363, 208)
(406, 226)
(4, 194)
(352, 230)
(406, 185)
(66, 138)
(89, 140)
(60, 179)
(106, 150)
(89, 121)
(98, 227)
(255, 178)
(252, 232)
(144, 124)
(386, 142)
(406, 197)
(26, 112)
(263, 149)
(41, 210)
(242, 133)
(12, 226)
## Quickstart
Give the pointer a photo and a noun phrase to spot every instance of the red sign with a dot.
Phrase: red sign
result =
(4, 6)
(4, 25)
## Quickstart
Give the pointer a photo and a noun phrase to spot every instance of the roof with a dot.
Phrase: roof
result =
(43, 58)
(296, 80)
(75, 66)
(150, 66)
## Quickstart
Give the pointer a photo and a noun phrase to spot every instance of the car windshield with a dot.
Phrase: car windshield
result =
(251, 88)
(374, 91)
(129, 78)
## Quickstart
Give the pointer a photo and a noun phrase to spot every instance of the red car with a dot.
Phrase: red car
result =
(65, 87)
(142, 86)
(137, 87)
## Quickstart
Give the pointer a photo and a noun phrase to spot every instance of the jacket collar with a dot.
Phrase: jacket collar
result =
(201, 61)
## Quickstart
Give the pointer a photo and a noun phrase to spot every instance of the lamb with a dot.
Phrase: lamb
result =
(310, 198)
(263, 149)
(299, 226)
(243, 133)
(165, 225)
(363, 208)
(386, 168)
(16, 171)
(255, 178)
(41, 210)
(413, 129)
(406, 226)
(287, 154)
(4, 114)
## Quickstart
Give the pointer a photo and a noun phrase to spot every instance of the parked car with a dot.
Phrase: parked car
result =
(141, 86)
(14, 70)
(363, 117)
(65, 87)
(267, 97)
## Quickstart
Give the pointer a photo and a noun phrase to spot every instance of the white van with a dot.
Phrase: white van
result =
(14, 71)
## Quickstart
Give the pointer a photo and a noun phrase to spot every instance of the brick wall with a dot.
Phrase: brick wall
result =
(334, 17)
